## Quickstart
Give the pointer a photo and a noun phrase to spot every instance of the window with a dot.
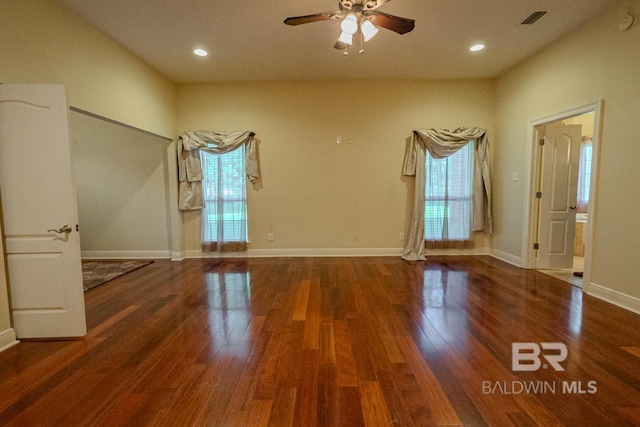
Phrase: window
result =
(584, 174)
(224, 217)
(448, 213)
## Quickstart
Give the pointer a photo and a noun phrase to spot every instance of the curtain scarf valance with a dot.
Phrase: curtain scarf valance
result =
(190, 169)
(442, 143)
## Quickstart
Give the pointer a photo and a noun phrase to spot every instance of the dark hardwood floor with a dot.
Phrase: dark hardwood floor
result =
(331, 342)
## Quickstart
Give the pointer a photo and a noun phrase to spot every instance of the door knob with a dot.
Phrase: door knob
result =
(64, 229)
(572, 207)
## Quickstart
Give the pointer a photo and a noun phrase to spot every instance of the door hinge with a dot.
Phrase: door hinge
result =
(541, 141)
(536, 246)
(539, 195)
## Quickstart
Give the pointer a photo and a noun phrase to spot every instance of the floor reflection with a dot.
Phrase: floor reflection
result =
(229, 291)
(444, 294)
(443, 288)
(229, 304)
(575, 311)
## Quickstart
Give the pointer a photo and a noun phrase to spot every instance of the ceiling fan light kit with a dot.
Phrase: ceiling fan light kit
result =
(357, 15)
(369, 30)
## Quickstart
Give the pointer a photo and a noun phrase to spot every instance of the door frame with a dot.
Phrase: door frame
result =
(533, 164)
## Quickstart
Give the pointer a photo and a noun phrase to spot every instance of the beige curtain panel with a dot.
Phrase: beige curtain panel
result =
(190, 169)
(442, 143)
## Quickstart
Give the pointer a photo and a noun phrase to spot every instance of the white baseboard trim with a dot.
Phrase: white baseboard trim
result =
(126, 254)
(614, 297)
(293, 253)
(457, 252)
(327, 252)
(274, 253)
(508, 258)
(7, 339)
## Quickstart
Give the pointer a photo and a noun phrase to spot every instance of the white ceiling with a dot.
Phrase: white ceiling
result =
(247, 39)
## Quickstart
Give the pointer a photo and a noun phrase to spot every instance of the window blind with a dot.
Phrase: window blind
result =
(224, 217)
(448, 196)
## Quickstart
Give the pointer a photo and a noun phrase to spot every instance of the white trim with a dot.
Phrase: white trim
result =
(328, 252)
(508, 258)
(7, 339)
(614, 297)
(528, 224)
(308, 252)
(162, 254)
(457, 252)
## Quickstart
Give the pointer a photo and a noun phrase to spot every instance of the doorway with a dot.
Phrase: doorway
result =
(580, 199)
(122, 183)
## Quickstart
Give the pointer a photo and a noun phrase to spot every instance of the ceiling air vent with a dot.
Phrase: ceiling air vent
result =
(533, 18)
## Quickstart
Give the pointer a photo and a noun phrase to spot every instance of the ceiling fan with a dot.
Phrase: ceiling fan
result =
(357, 15)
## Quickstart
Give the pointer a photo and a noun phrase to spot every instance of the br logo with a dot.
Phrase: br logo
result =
(527, 356)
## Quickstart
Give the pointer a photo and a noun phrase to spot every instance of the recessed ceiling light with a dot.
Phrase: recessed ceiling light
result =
(200, 52)
(476, 47)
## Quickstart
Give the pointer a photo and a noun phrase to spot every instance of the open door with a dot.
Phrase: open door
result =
(40, 213)
(557, 193)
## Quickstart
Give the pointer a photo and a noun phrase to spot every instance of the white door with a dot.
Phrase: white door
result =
(559, 189)
(40, 213)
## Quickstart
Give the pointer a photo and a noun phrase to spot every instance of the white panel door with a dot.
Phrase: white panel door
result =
(559, 188)
(40, 213)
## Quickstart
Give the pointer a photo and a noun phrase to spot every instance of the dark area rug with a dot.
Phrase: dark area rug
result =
(96, 273)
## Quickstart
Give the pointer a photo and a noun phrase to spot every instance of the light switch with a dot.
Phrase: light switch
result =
(515, 177)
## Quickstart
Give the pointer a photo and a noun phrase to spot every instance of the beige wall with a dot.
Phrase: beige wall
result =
(42, 41)
(597, 61)
(314, 192)
(122, 178)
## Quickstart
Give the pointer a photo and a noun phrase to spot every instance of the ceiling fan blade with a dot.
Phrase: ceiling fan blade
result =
(393, 23)
(324, 16)
(373, 4)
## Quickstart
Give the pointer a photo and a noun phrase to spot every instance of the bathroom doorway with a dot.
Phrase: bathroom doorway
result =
(559, 232)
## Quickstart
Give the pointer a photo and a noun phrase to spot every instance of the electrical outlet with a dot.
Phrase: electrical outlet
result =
(270, 237)
(401, 237)
(356, 237)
